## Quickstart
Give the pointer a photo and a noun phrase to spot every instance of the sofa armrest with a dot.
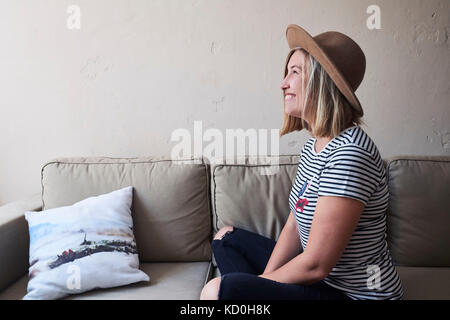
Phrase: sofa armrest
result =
(14, 239)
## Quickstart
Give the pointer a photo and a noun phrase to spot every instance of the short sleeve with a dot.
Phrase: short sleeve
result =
(350, 172)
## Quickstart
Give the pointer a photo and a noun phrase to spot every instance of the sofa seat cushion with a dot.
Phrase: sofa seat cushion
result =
(433, 284)
(169, 281)
(425, 283)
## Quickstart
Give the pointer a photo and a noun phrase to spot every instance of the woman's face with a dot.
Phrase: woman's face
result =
(292, 84)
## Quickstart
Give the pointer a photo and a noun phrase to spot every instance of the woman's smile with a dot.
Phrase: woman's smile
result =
(289, 96)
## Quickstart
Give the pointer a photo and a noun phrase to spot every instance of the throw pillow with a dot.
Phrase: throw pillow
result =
(81, 247)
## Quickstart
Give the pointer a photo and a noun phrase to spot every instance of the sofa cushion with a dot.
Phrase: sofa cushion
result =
(169, 281)
(77, 248)
(252, 194)
(425, 283)
(418, 214)
(170, 210)
(433, 284)
(14, 239)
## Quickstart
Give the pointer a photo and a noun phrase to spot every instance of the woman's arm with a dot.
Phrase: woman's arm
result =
(287, 247)
(334, 221)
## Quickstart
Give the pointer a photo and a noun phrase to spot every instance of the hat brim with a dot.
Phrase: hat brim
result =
(298, 37)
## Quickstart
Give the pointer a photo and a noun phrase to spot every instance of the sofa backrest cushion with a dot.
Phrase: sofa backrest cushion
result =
(419, 210)
(171, 213)
(253, 193)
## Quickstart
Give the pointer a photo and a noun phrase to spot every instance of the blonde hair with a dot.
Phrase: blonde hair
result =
(326, 107)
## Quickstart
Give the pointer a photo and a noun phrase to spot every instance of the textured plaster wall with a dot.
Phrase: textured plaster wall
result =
(137, 70)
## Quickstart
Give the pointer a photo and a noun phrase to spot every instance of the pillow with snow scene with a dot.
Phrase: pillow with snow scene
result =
(78, 248)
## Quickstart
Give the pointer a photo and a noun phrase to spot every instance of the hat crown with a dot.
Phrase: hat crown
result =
(338, 54)
(346, 55)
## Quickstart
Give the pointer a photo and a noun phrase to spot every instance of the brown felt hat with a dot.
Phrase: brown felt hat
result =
(340, 56)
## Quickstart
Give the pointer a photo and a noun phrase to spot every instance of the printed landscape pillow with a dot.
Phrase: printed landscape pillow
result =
(88, 245)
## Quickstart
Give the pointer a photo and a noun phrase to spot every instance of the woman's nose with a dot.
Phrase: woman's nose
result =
(284, 84)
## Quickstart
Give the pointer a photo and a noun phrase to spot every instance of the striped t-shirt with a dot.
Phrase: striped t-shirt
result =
(350, 166)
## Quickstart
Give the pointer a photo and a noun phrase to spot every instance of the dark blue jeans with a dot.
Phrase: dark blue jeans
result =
(242, 255)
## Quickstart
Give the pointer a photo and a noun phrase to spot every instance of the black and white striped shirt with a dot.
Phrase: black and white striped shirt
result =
(350, 166)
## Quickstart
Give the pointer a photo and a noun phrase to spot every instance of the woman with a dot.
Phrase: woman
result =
(333, 245)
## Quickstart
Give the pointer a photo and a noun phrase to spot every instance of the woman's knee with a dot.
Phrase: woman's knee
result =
(222, 232)
(211, 290)
(240, 285)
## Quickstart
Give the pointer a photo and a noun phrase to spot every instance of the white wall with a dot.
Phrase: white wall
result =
(138, 70)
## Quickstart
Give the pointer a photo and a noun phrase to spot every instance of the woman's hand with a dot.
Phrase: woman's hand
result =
(221, 233)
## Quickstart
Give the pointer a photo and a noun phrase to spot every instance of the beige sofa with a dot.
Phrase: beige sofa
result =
(179, 204)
